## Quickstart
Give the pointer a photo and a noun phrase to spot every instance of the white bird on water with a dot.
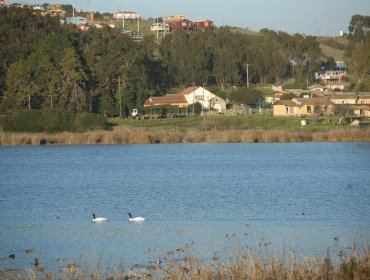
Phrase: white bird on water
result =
(98, 219)
(136, 219)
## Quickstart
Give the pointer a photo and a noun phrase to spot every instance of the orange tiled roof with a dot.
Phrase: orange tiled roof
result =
(188, 90)
(166, 99)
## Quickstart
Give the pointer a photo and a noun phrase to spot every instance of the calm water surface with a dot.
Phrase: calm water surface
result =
(214, 197)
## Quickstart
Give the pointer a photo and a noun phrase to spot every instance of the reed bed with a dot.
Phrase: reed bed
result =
(130, 135)
(249, 265)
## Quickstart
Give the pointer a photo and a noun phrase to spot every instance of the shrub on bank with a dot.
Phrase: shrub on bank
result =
(51, 121)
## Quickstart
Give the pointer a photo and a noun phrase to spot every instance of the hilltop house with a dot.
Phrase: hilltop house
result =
(126, 15)
(160, 27)
(173, 18)
(56, 11)
(203, 24)
(304, 107)
(190, 96)
(183, 24)
(338, 74)
(76, 20)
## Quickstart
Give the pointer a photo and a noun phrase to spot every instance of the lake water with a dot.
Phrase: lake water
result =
(210, 198)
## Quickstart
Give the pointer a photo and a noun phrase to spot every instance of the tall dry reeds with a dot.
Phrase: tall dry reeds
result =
(129, 135)
(252, 266)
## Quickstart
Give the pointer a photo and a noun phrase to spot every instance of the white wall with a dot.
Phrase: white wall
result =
(201, 95)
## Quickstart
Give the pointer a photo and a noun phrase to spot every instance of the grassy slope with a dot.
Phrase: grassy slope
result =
(223, 123)
(333, 46)
(330, 51)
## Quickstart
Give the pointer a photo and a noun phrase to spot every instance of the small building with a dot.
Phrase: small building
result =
(178, 100)
(360, 110)
(344, 99)
(275, 96)
(126, 15)
(160, 27)
(337, 86)
(203, 24)
(184, 24)
(190, 96)
(56, 11)
(176, 17)
(76, 20)
(363, 98)
(101, 24)
(303, 107)
(316, 88)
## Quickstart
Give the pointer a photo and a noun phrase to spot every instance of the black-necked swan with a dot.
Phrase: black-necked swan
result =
(98, 219)
(136, 219)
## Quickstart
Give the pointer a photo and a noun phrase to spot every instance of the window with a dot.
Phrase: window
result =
(309, 110)
(287, 110)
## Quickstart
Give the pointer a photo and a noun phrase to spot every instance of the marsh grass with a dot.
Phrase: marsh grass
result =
(248, 264)
(139, 135)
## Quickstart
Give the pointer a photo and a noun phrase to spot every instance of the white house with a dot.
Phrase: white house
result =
(190, 96)
(160, 27)
(126, 15)
(204, 97)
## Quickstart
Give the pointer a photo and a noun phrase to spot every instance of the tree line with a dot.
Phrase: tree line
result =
(44, 64)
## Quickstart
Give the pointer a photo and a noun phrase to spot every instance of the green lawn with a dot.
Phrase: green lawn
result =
(230, 122)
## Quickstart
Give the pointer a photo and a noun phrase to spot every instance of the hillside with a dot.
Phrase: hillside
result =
(333, 46)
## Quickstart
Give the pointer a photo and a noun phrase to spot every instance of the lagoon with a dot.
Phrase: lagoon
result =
(210, 199)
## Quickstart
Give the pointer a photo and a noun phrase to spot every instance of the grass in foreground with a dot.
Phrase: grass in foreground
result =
(253, 266)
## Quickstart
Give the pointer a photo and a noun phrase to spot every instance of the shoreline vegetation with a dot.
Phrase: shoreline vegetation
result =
(349, 264)
(124, 134)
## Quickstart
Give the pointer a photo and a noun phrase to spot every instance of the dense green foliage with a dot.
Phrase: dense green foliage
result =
(48, 120)
(48, 65)
(358, 51)
(44, 64)
(245, 95)
(359, 28)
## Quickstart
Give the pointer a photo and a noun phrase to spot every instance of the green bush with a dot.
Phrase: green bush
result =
(298, 84)
(51, 121)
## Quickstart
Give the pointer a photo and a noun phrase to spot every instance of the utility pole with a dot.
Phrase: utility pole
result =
(120, 96)
(157, 26)
(123, 17)
(51, 101)
(247, 75)
(91, 12)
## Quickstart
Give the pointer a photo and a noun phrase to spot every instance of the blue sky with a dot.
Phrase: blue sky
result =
(315, 17)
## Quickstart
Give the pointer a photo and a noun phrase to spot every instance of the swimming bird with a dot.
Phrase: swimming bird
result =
(136, 219)
(98, 219)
